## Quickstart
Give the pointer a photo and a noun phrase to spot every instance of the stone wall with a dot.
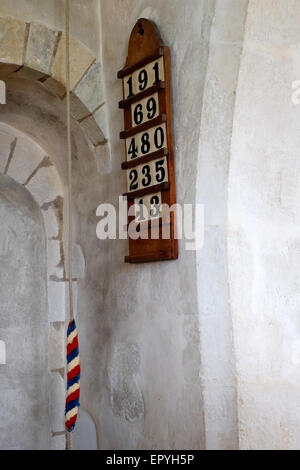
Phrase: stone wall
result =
(25, 163)
(84, 17)
(32, 63)
(33, 51)
(41, 115)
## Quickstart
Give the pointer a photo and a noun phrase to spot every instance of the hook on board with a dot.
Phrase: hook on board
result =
(140, 28)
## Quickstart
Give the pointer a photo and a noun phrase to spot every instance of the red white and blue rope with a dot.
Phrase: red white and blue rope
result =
(73, 377)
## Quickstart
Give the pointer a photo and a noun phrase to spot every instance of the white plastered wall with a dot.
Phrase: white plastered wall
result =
(263, 230)
(181, 308)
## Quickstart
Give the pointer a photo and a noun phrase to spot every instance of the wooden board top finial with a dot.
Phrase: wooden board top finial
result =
(144, 41)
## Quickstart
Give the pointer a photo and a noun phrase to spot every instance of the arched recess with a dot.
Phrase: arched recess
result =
(24, 398)
(25, 162)
(33, 152)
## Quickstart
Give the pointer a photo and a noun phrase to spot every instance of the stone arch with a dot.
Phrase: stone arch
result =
(32, 58)
(35, 52)
(23, 160)
(27, 163)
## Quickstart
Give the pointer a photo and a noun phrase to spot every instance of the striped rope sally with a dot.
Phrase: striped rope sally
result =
(73, 377)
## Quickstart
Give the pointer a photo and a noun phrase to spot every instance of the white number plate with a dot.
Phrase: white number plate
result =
(148, 207)
(145, 110)
(146, 142)
(147, 175)
(144, 78)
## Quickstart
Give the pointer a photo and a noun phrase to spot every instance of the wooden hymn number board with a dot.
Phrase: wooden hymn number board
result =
(148, 137)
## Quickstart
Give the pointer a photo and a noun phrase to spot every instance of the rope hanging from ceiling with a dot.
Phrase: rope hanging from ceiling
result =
(73, 360)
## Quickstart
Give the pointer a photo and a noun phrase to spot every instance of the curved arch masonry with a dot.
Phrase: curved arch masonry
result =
(25, 161)
(2, 92)
(36, 52)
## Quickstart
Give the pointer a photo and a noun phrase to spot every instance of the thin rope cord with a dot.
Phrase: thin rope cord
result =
(70, 222)
(69, 151)
(69, 440)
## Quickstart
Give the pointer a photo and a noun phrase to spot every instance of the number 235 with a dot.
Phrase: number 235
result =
(148, 178)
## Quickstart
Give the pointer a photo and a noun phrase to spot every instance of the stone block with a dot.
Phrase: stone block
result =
(90, 88)
(51, 222)
(103, 160)
(101, 119)
(55, 87)
(29, 73)
(54, 267)
(57, 301)
(6, 70)
(57, 402)
(57, 346)
(78, 109)
(6, 143)
(26, 158)
(45, 185)
(92, 130)
(12, 39)
(2, 92)
(80, 60)
(40, 47)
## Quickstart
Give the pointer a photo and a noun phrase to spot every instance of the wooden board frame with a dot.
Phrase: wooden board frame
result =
(146, 46)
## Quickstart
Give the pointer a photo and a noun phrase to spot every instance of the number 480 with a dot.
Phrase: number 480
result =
(142, 144)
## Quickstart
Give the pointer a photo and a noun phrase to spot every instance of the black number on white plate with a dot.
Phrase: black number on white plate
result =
(160, 171)
(147, 175)
(155, 68)
(138, 116)
(146, 171)
(144, 78)
(143, 211)
(133, 149)
(151, 108)
(146, 142)
(145, 110)
(155, 202)
(159, 137)
(147, 207)
(130, 88)
(133, 177)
